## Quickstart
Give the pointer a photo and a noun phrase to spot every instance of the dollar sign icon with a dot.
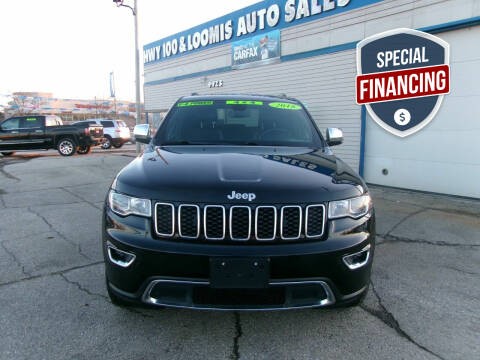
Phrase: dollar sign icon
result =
(402, 117)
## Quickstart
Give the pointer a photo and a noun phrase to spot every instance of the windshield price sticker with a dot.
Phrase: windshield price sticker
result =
(194, 103)
(243, 102)
(286, 106)
(403, 75)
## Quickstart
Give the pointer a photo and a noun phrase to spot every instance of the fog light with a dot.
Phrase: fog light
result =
(357, 260)
(120, 257)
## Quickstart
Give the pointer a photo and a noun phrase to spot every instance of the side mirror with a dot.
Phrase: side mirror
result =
(334, 136)
(142, 133)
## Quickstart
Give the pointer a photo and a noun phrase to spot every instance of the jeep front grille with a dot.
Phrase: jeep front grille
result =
(239, 222)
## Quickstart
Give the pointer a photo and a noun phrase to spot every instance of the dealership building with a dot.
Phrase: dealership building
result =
(308, 50)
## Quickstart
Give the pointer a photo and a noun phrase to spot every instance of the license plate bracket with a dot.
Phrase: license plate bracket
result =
(239, 273)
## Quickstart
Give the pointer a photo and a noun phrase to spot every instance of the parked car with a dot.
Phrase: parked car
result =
(116, 132)
(47, 132)
(238, 202)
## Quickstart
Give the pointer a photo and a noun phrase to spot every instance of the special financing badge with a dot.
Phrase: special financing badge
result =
(403, 75)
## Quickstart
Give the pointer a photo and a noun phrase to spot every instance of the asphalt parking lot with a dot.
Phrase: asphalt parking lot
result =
(424, 299)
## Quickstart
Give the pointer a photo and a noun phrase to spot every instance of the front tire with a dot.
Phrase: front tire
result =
(117, 146)
(66, 147)
(83, 150)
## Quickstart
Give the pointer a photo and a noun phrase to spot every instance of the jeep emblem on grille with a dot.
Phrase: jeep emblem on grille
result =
(241, 196)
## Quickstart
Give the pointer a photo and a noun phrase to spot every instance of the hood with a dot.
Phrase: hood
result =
(227, 174)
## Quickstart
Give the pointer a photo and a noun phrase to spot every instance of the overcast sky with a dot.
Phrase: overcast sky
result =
(69, 47)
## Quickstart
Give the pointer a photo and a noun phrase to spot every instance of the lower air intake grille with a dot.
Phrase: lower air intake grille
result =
(206, 296)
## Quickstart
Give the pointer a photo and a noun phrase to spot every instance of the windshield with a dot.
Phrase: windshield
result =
(238, 122)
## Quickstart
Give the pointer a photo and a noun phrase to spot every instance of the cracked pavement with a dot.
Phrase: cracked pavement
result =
(423, 303)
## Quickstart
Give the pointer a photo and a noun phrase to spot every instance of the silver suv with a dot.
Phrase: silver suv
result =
(116, 132)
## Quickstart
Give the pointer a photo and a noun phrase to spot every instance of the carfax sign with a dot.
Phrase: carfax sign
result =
(257, 50)
(403, 75)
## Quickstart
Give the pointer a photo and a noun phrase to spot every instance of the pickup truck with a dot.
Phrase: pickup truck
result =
(47, 132)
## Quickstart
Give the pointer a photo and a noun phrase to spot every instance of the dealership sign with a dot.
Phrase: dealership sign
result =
(256, 19)
(403, 75)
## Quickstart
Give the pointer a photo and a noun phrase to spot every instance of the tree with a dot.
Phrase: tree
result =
(20, 104)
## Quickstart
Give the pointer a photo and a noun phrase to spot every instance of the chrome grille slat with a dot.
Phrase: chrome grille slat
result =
(288, 222)
(162, 225)
(314, 221)
(262, 223)
(239, 221)
(209, 221)
(260, 213)
(189, 224)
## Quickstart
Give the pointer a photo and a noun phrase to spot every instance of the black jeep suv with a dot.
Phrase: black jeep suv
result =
(237, 202)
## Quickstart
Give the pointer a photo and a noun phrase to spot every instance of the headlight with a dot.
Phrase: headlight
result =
(354, 208)
(126, 205)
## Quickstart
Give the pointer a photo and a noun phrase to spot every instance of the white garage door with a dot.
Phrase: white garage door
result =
(443, 157)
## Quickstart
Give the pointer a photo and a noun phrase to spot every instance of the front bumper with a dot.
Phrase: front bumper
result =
(91, 141)
(179, 274)
(118, 141)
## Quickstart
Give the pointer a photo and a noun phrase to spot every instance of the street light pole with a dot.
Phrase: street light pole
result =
(137, 63)
(137, 71)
